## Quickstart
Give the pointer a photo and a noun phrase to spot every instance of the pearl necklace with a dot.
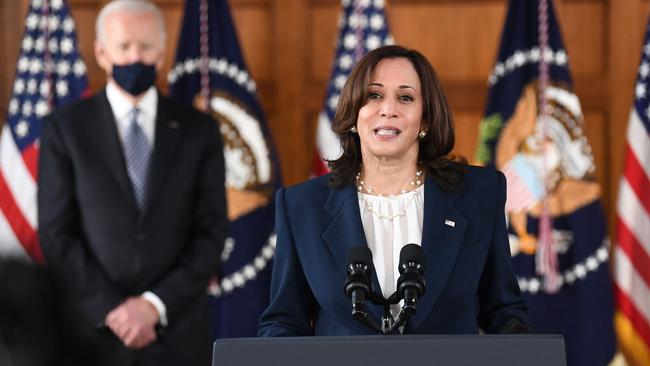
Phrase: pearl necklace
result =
(413, 184)
(369, 206)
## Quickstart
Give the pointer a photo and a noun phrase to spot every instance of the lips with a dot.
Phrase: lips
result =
(387, 131)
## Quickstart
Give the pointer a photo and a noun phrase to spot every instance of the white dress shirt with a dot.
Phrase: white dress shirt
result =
(122, 109)
(389, 224)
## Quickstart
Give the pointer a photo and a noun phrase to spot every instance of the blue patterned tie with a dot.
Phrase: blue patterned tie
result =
(137, 153)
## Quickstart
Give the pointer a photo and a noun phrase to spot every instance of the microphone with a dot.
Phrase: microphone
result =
(411, 283)
(358, 281)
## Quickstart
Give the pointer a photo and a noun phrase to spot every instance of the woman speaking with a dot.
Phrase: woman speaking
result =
(394, 184)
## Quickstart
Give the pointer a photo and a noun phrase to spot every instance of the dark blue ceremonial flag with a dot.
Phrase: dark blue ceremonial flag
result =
(548, 163)
(210, 68)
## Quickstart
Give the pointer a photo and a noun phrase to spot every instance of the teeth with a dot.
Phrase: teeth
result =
(386, 132)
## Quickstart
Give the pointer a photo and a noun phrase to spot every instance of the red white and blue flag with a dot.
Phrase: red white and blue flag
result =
(362, 28)
(632, 250)
(49, 73)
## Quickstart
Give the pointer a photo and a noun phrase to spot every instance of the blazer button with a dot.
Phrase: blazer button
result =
(140, 237)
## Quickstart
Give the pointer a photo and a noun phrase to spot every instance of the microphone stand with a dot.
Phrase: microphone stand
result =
(410, 286)
(388, 323)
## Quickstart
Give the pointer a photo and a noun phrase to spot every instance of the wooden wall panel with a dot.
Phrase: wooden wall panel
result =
(173, 14)
(254, 30)
(584, 33)
(11, 29)
(459, 38)
(254, 22)
(289, 44)
(596, 131)
(294, 138)
(5, 69)
(644, 13)
(84, 14)
(466, 133)
(323, 30)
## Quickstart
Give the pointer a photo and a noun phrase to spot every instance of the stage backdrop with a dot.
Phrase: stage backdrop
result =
(288, 45)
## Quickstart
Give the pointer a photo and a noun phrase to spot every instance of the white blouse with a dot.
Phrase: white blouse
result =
(389, 224)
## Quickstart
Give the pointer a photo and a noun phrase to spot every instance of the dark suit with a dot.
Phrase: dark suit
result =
(28, 335)
(103, 249)
(469, 277)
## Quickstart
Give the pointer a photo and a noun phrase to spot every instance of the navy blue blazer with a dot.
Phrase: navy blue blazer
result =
(470, 282)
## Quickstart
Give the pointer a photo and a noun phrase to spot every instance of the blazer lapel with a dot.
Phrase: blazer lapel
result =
(442, 234)
(107, 141)
(166, 138)
(346, 231)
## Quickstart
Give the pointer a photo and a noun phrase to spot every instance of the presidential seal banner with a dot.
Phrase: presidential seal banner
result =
(211, 74)
(533, 130)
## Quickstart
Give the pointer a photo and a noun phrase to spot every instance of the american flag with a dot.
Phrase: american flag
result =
(632, 251)
(49, 74)
(362, 28)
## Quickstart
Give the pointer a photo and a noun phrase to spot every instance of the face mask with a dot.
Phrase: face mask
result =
(135, 78)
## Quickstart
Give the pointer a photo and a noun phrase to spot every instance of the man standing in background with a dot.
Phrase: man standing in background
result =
(132, 210)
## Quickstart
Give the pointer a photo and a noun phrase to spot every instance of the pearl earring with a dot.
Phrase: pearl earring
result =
(353, 129)
(422, 134)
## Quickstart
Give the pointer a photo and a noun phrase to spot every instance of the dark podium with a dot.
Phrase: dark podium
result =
(447, 350)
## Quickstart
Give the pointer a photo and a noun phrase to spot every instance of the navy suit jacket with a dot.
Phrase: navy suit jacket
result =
(102, 249)
(470, 282)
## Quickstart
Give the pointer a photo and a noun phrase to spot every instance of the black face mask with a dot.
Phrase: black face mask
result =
(135, 78)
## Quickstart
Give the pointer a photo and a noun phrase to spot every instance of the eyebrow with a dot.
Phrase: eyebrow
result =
(400, 87)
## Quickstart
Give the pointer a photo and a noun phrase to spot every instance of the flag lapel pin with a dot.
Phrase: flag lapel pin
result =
(450, 223)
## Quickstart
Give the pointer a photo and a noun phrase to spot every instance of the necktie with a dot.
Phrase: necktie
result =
(137, 153)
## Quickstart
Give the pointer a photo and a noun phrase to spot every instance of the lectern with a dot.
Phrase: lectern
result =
(411, 350)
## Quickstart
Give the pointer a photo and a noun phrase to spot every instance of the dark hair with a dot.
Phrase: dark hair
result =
(437, 121)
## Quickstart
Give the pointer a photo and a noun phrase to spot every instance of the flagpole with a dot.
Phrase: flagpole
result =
(359, 48)
(205, 56)
(47, 57)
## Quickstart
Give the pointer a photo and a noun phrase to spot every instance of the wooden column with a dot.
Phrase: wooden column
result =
(288, 124)
(627, 24)
(12, 15)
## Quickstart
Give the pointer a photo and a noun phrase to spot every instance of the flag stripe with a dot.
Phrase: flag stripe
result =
(628, 243)
(23, 231)
(626, 306)
(636, 178)
(632, 213)
(19, 181)
(30, 157)
(638, 140)
(327, 141)
(9, 244)
(634, 293)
